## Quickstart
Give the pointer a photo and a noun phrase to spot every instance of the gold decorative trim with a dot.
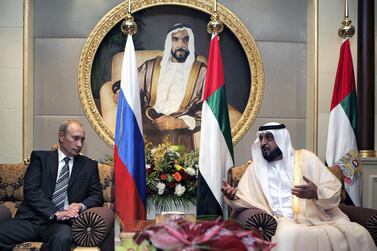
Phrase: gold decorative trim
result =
(27, 79)
(315, 110)
(119, 12)
(367, 153)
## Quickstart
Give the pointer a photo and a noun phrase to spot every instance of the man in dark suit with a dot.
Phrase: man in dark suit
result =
(58, 186)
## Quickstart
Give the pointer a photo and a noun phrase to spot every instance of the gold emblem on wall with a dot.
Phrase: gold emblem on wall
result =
(243, 39)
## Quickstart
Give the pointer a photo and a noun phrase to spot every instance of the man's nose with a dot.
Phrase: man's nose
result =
(264, 141)
(180, 43)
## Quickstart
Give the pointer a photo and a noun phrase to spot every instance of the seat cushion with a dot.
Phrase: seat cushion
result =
(92, 226)
(262, 223)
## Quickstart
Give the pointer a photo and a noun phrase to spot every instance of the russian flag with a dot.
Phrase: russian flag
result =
(129, 155)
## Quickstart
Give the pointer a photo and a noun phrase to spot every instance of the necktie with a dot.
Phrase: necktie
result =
(61, 186)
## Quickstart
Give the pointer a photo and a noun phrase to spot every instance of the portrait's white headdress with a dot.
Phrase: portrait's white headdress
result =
(166, 58)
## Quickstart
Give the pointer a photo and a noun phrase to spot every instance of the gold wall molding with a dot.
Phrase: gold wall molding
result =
(367, 153)
(27, 79)
(118, 13)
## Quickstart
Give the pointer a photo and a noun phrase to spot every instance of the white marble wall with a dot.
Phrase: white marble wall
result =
(59, 40)
(11, 47)
(279, 27)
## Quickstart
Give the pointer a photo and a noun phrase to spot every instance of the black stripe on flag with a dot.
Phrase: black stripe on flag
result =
(207, 204)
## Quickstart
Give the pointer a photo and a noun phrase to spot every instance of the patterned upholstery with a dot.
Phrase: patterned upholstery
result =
(235, 173)
(11, 192)
(106, 174)
(11, 182)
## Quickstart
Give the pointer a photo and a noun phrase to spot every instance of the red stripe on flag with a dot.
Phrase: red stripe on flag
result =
(345, 78)
(215, 75)
(128, 204)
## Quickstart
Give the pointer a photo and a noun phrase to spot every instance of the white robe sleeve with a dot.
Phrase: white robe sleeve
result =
(329, 187)
(250, 193)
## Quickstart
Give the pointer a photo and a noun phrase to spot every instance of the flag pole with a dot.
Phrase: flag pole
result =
(129, 26)
(346, 30)
(215, 26)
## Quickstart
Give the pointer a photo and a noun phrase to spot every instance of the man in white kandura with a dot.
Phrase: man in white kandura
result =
(302, 194)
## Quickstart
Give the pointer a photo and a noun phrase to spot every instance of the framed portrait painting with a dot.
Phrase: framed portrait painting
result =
(172, 45)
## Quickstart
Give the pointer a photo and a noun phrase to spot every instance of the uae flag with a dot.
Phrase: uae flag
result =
(342, 150)
(216, 148)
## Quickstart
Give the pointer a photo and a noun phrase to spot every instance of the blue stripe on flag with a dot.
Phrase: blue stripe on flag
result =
(130, 144)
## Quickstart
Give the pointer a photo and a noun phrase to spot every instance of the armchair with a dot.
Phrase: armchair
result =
(93, 228)
(265, 224)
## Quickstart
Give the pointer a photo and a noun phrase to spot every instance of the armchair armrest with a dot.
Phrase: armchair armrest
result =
(5, 213)
(367, 217)
(257, 220)
(93, 226)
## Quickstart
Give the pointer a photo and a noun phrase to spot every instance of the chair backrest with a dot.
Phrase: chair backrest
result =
(12, 181)
(106, 175)
(235, 173)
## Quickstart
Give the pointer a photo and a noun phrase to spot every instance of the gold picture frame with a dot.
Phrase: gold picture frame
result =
(118, 13)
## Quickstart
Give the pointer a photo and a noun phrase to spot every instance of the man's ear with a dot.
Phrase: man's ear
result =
(60, 136)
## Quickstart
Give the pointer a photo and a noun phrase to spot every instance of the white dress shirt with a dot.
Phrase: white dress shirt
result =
(61, 164)
(279, 187)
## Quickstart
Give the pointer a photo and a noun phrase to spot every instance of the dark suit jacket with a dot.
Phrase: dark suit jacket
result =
(39, 185)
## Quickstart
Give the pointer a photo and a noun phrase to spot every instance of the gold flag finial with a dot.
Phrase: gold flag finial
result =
(129, 26)
(215, 25)
(347, 30)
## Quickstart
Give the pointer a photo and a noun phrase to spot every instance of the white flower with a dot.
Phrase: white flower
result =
(153, 151)
(179, 189)
(191, 171)
(161, 188)
(147, 166)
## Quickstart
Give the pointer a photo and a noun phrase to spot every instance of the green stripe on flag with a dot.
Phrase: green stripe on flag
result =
(218, 105)
(349, 105)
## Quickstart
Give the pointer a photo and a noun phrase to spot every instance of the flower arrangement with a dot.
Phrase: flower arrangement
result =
(207, 235)
(171, 176)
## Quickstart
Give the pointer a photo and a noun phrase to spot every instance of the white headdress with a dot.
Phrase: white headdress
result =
(283, 141)
(166, 58)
